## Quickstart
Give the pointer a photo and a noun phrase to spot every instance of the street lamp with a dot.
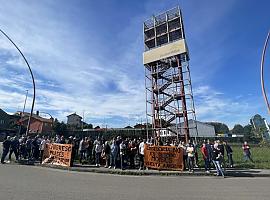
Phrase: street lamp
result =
(32, 76)
(262, 72)
(50, 116)
(22, 114)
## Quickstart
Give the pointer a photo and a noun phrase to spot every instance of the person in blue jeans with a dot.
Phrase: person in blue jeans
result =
(216, 160)
(114, 153)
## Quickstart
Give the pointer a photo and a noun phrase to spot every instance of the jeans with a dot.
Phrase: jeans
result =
(141, 161)
(190, 163)
(15, 151)
(247, 157)
(4, 154)
(123, 160)
(82, 155)
(98, 155)
(218, 168)
(206, 164)
(113, 159)
(230, 159)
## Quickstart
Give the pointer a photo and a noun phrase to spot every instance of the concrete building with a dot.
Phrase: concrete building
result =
(38, 125)
(204, 130)
(74, 120)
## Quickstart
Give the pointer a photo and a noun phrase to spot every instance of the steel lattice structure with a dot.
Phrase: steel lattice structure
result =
(169, 97)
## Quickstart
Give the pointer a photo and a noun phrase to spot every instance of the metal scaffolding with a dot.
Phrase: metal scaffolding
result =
(169, 97)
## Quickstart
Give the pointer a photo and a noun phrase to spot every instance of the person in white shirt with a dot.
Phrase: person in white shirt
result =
(141, 154)
(43, 146)
(190, 152)
(98, 150)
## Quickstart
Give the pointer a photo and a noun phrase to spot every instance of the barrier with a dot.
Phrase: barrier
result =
(163, 157)
(57, 154)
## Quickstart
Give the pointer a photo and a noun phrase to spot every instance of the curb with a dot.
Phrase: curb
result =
(234, 173)
(125, 172)
(251, 173)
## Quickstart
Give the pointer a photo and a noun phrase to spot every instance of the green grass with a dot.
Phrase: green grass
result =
(259, 154)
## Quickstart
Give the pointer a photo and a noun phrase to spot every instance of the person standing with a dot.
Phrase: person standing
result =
(114, 153)
(28, 146)
(82, 150)
(191, 154)
(141, 154)
(184, 147)
(73, 153)
(107, 152)
(209, 147)
(62, 140)
(229, 152)
(6, 146)
(216, 160)
(98, 150)
(132, 150)
(42, 147)
(35, 148)
(205, 158)
(246, 152)
(14, 148)
(123, 154)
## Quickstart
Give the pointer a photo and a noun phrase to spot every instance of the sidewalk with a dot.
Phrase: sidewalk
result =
(197, 172)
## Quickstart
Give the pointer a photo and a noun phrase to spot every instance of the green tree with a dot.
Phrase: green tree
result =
(238, 129)
(59, 128)
(219, 127)
(248, 132)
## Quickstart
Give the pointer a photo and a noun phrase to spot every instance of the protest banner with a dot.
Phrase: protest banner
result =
(163, 157)
(57, 154)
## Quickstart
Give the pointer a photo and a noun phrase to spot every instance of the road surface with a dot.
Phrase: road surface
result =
(37, 183)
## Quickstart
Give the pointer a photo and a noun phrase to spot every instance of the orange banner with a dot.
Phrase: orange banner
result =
(57, 154)
(163, 157)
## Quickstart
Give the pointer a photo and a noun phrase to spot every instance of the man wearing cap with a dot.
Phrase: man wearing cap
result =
(6, 147)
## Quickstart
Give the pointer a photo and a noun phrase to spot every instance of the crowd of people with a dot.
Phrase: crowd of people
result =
(123, 153)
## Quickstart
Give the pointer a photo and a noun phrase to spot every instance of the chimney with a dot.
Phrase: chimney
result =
(37, 113)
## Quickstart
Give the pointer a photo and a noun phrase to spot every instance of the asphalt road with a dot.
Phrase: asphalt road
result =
(35, 183)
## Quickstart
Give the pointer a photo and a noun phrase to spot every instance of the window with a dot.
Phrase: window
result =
(162, 40)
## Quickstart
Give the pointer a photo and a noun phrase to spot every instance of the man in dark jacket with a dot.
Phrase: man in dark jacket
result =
(229, 152)
(14, 148)
(6, 147)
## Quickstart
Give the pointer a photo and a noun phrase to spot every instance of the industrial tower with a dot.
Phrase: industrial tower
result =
(169, 99)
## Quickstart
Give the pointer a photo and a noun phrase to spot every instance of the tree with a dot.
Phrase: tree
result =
(220, 128)
(238, 129)
(88, 126)
(59, 128)
(248, 132)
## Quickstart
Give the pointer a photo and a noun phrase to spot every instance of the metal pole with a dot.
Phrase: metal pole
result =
(23, 111)
(262, 72)
(32, 76)
(50, 116)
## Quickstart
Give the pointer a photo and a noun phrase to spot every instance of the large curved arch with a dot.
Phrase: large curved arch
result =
(32, 76)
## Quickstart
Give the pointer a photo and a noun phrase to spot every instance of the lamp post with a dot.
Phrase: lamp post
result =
(262, 72)
(22, 114)
(50, 116)
(32, 76)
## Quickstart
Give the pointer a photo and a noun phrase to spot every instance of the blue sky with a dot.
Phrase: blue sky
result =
(87, 57)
